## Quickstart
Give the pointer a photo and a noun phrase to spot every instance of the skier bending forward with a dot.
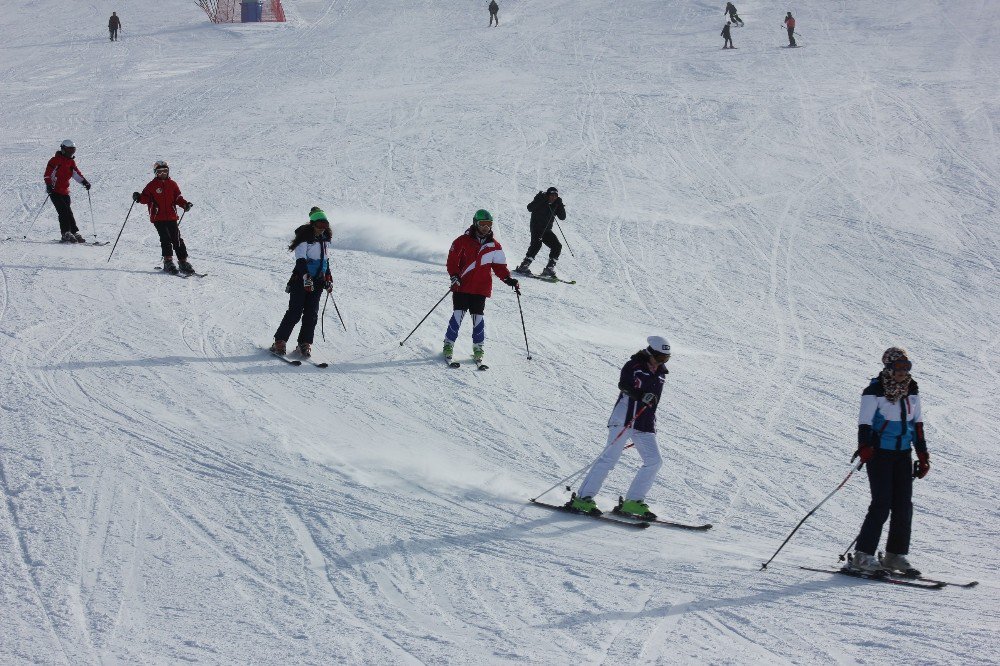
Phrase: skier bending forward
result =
(633, 417)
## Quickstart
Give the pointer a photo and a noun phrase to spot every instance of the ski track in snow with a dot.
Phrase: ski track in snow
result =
(172, 493)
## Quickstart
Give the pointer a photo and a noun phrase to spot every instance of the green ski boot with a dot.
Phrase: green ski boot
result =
(449, 350)
(583, 505)
(634, 509)
(477, 353)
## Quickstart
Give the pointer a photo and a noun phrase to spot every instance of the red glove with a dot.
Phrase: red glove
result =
(866, 453)
(923, 464)
(328, 282)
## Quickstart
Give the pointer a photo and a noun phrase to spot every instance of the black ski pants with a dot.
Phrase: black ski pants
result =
(494, 17)
(302, 305)
(170, 239)
(729, 43)
(546, 236)
(114, 34)
(890, 476)
(791, 42)
(66, 220)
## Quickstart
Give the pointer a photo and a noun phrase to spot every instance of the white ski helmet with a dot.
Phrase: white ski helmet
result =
(658, 345)
(67, 143)
(160, 164)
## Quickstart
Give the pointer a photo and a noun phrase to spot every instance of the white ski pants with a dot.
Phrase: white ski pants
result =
(649, 451)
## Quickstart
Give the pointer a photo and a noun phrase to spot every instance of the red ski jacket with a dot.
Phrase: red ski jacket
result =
(162, 196)
(790, 22)
(473, 260)
(58, 172)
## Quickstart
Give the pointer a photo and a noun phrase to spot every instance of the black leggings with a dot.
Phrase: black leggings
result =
(890, 476)
(302, 305)
(66, 220)
(549, 239)
(170, 239)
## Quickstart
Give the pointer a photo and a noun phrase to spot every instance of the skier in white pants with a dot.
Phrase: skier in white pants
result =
(633, 418)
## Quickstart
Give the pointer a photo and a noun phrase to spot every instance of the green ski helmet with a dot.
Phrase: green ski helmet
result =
(482, 216)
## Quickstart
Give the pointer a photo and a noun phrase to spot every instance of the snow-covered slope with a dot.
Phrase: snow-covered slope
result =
(171, 493)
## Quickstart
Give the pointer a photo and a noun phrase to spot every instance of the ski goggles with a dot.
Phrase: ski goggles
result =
(902, 364)
(484, 224)
(660, 358)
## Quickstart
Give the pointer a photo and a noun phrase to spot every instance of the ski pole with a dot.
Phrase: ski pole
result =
(426, 316)
(31, 227)
(561, 233)
(580, 471)
(322, 318)
(843, 555)
(337, 310)
(842, 483)
(93, 224)
(120, 232)
(518, 292)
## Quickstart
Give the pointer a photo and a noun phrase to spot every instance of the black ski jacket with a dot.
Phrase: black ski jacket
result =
(544, 214)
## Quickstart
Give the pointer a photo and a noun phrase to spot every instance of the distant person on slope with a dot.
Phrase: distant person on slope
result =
(58, 172)
(733, 16)
(790, 25)
(310, 277)
(889, 423)
(633, 417)
(162, 196)
(114, 24)
(494, 8)
(728, 44)
(545, 208)
(473, 258)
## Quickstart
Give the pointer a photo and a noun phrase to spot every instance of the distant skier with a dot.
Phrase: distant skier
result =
(472, 259)
(790, 25)
(633, 417)
(58, 172)
(545, 208)
(162, 196)
(889, 423)
(494, 9)
(114, 24)
(310, 277)
(728, 44)
(733, 16)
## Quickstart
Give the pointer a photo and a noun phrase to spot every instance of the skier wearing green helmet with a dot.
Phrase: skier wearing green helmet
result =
(472, 258)
(310, 277)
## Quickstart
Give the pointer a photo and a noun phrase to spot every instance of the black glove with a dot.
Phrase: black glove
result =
(135, 196)
(649, 399)
(188, 206)
(86, 185)
(455, 282)
(513, 284)
(49, 188)
(307, 282)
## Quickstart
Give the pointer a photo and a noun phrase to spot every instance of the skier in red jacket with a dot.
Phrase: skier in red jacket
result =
(472, 259)
(163, 196)
(790, 25)
(58, 172)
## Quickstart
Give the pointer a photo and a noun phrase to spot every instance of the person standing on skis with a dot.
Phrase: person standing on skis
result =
(494, 8)
(58, 172)
(633, 417)
(890, 423)
(114, 24)
(728, 44)
(310, 277)
(790, 25)
(473, 258)
(162, 196)
(733, 16)
(545, 208)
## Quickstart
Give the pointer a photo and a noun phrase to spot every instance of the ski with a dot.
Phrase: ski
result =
(666, 523)
(545, 279)
(925, 579)
(605, 518)
(178, 273)
(90, 243)
(481, 366)
(289, 361)
(193, 274)
(318, 364)
(450, 363)
(879, 577)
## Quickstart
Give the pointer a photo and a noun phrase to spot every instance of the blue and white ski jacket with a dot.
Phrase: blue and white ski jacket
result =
(635, 381)
(896, 426)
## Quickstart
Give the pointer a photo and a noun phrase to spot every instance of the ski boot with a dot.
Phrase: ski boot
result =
(304, 349)
(524, 267)
(583, 505)
(448, 350)
(550, 270)
(634, 509)
(186, 266)
(898, 564)
(477, 353)
(78, 237)
(169, 266)
(278, 348)
(68, 237)
(864, 563)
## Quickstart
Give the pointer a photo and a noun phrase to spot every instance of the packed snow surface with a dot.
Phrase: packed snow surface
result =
(172, 493)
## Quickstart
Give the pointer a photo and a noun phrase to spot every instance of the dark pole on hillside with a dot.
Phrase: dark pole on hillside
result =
(842, 483)
(31, 227)
(120, 232)
(523, 328)
(563, 234)
(426, 316)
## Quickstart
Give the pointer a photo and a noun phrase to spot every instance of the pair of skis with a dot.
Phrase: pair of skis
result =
(451, 363)
(544, 278)
(298, 362)
(624, 520)
(886, 576)
(181, 274)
